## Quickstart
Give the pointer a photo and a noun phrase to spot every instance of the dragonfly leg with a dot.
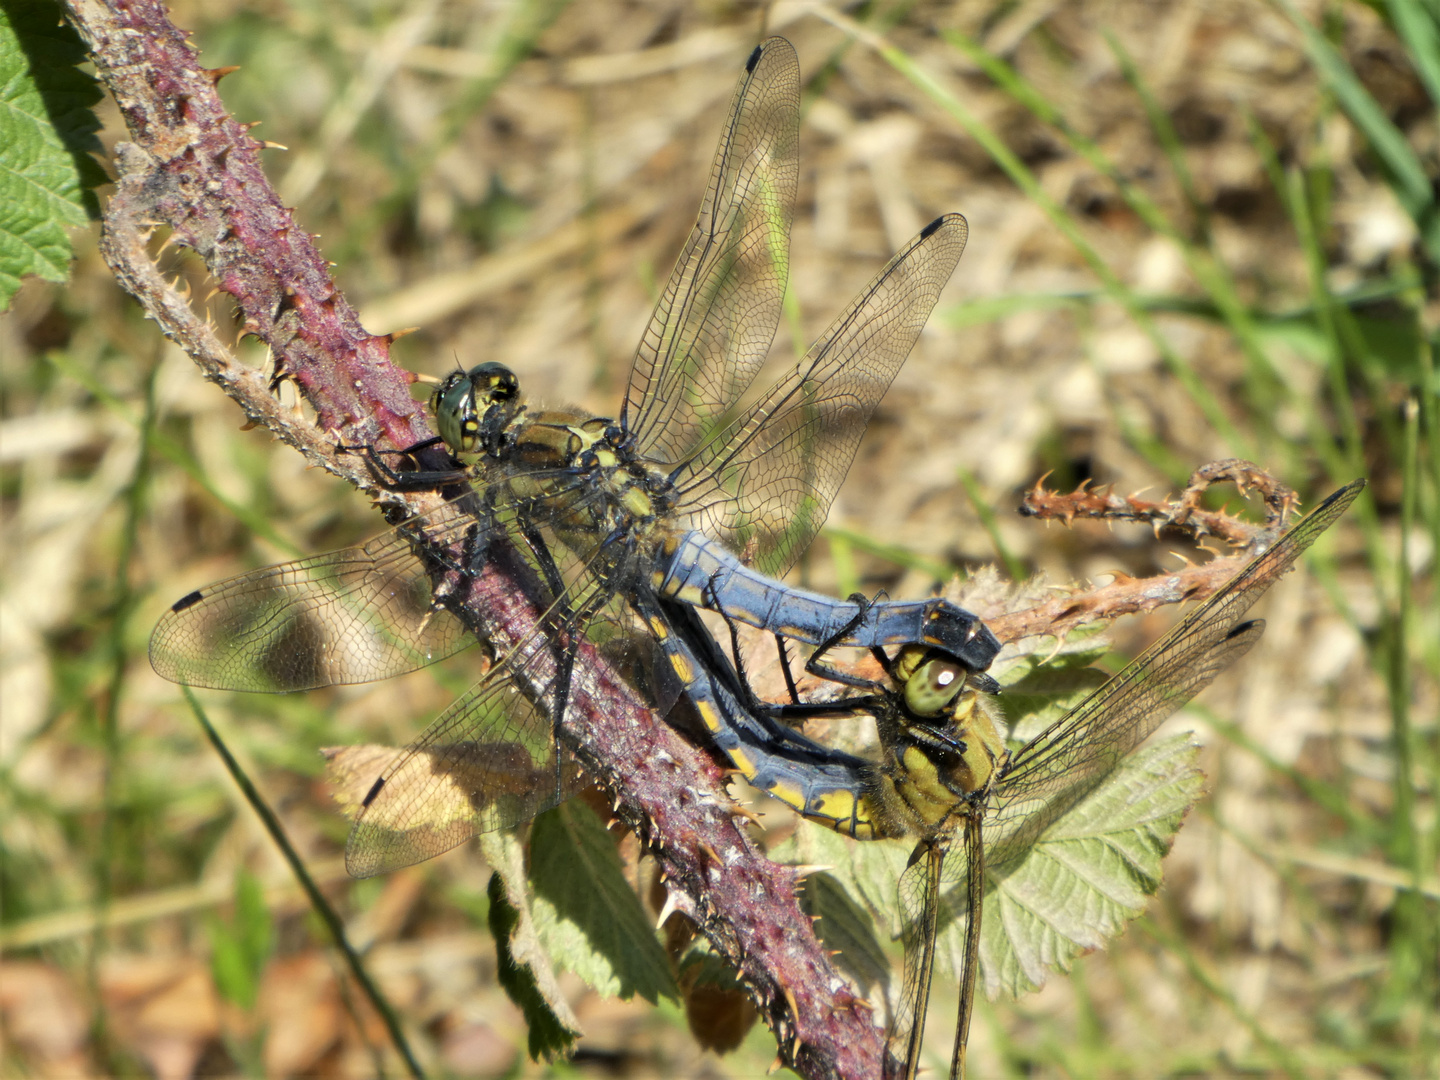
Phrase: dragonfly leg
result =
(412, 480)
(782, 646)
(823, 669)
(752, 701)
(796, 711)
(564, 622)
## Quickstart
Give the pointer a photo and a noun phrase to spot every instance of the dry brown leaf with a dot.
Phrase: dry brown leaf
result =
(301, 1005)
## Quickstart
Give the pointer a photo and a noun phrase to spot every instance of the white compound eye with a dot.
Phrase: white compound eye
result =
(935, 684)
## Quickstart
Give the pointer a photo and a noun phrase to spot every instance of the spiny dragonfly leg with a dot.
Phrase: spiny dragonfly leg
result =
(563, 622)
(795, 710)
(823, 669)
(753, 702)
(782, 646)
(410, 480)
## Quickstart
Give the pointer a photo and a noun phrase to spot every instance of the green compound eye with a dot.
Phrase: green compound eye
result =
(933, 686)
(493, 383)
(453, 404)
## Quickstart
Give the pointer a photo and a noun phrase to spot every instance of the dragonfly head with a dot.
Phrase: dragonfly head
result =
(472, 408)
(930, 680)
(941, 763)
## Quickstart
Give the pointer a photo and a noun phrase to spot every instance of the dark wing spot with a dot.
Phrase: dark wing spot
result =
(929, 230)
(187, 600)
(754, 58)
(1244, 628)
(373, 792)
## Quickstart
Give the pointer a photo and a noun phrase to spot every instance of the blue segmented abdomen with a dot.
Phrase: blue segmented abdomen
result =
(703, 573)
(827, 786)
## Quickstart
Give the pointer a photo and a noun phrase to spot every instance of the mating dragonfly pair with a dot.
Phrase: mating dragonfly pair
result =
(620, 529)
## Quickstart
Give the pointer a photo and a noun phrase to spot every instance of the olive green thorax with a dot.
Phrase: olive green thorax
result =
(941, 746)
(565, 457)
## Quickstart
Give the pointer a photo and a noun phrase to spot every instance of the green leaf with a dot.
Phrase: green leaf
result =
(1039, 689)
(550, 1036)
(586, 913)
(847, 927)
(1089, 874)
(866, 871)
(240, 948)
(47, 133)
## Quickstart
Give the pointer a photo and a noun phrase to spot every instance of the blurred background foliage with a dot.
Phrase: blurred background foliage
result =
(1198, 230)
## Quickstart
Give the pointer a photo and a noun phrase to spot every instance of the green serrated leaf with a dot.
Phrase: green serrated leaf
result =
(1042, 695)
(586, 913)
(1061, 681)
(1089, 874)
(550, 1036)
(47, 133)
(866, 871)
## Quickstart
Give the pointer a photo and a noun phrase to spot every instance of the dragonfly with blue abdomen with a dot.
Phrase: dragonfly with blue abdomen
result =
(978, 806)
(613, 526)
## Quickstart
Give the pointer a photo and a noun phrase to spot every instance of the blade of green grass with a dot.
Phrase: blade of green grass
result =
(1419, 29)
(1336, 461)
(173, 451)
(1410, 182)
(900, 556)
(123, 602)
(1208, 270)
(1013, 566)
(327, 914)
(994, 308)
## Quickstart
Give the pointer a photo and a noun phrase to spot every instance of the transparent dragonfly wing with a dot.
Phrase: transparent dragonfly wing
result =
(918, 892)
(1067, 761)
(351, 616)
(764, 482)
(489, 761)
(712, 326)
(494, 758)
(944, 886)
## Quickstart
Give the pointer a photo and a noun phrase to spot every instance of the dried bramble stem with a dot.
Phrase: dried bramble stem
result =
(1182, 516)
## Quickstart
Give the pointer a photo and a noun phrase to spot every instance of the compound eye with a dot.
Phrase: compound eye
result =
(934, 687)
(454, 407)
(493, 382)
